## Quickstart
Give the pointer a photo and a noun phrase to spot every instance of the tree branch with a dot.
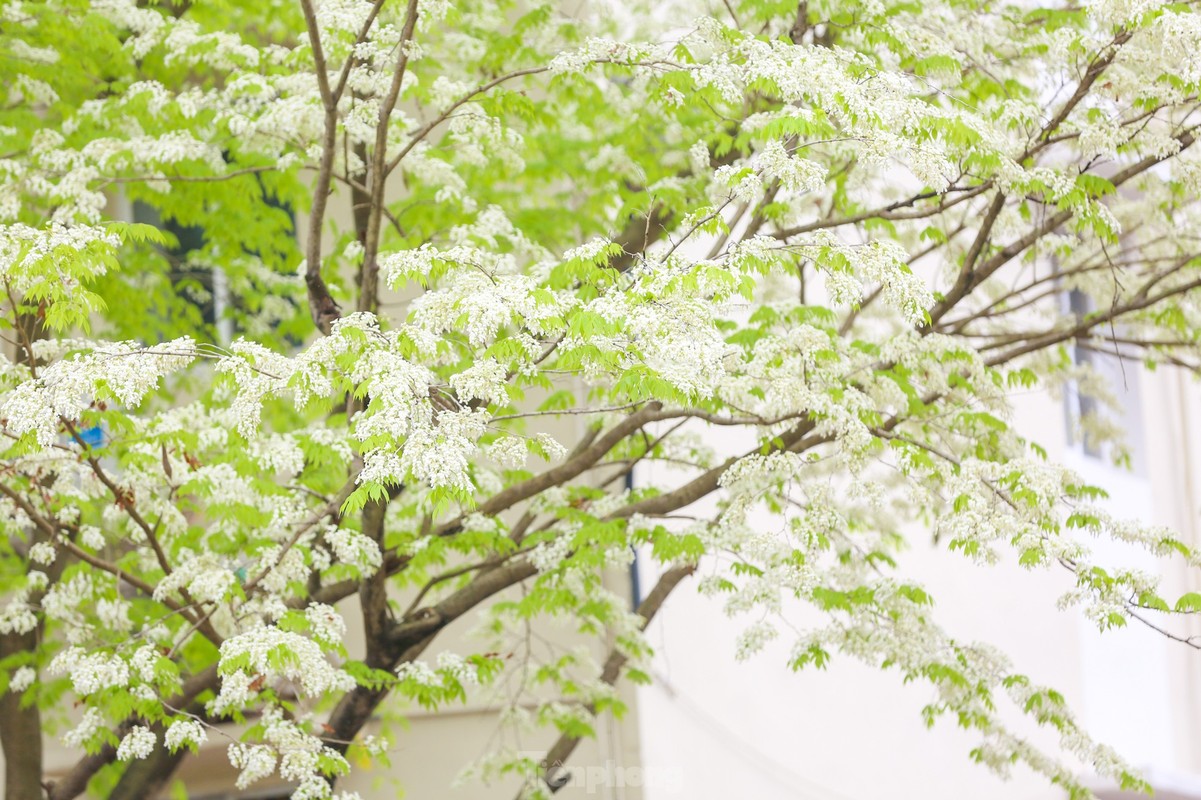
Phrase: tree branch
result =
(562, 749)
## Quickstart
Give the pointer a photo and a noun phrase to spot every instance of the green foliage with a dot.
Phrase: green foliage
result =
(839, 231)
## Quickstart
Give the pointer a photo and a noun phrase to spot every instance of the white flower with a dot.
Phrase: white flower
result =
(42, 553)
(91, 672)
(548, 555)
(138, 743)
(255, 761)
(91, 536)
(83, 733)
(554, 450)
(325, 623)
(591, 250)
(419, 672)
(270, 651)
(185, 733)
(509, 451)
(354, 548)
(441, 455)
(375, 745)
(206, 577)
(794, 174)
(22, 679)
(698, 157)
(754, 638)
(114, 614)
(483, 380)
(17, 616)
(457, 667)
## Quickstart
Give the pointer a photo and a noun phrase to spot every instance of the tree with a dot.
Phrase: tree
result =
(844, 229)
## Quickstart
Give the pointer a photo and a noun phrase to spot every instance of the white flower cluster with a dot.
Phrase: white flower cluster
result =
(205, 576)
(255, 762)
(487, 303)
(754, 639)
(595, 49)
(440, 455)
(1114, 13)
(22, 679)
(484, 380)
(267, 652)
(509, 451)
(794, 174)
(847, 267)
(185, 733)
(302, 759)
(85, 732)
(64, 389)
(18, 616)
(43, 553)
(547, 556)
(67, 601)
(325, 624)
(69, 254)
(354, 548)
(138, 743)
(91, 672)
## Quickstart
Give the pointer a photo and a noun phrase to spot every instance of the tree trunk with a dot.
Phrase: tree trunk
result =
(21, 731)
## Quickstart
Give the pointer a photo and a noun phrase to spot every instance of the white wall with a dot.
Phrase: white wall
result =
(756, 729)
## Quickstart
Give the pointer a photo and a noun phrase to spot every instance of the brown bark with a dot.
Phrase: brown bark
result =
(373, 591)
(378, 172)
(405, 641)
(21, 731)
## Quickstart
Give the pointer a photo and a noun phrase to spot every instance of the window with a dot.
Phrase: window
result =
(206, 287)
(214, 293)
(1120, 376)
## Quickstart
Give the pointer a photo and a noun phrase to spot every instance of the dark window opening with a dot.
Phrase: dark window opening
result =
(206, 287)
